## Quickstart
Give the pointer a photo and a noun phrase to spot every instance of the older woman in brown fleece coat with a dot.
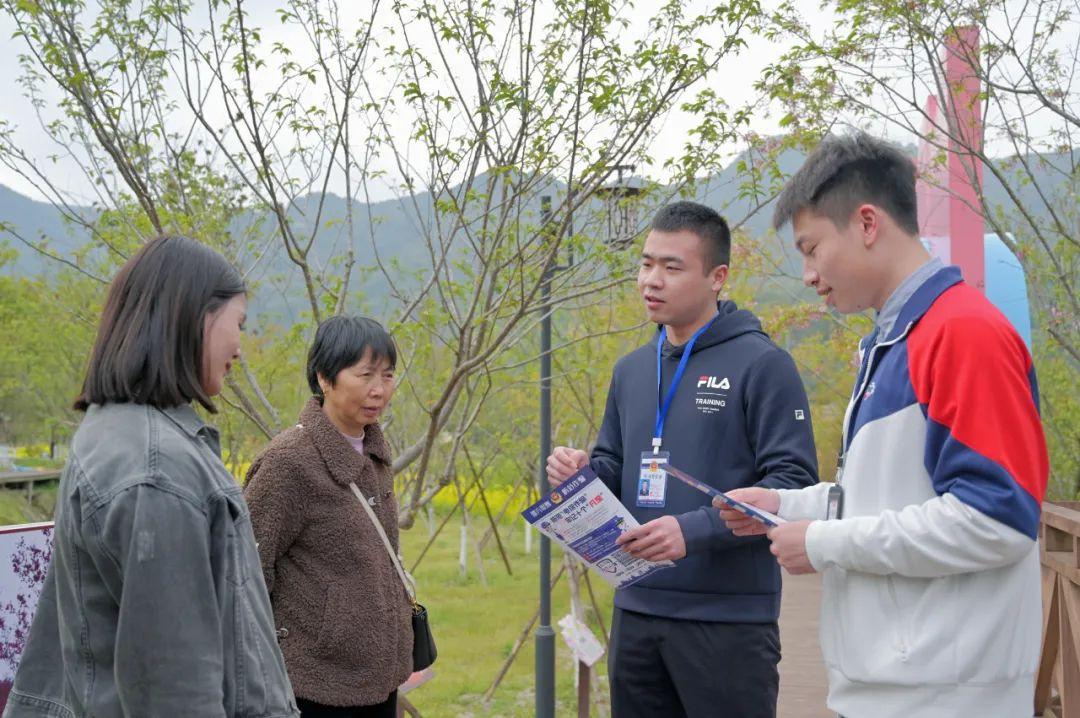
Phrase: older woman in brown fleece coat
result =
(342, 614)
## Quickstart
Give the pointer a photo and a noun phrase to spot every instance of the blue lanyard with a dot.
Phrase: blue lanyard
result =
(662, 409)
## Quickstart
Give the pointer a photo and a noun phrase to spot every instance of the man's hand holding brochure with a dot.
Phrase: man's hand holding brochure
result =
(747, 510)
(788, 537)
(584, 517)
(740, 522)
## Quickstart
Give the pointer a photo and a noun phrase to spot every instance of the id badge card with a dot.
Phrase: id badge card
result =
(652, 480)
(835, 506)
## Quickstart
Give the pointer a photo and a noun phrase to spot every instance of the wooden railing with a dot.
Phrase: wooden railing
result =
(1059, 666)
(27, 479)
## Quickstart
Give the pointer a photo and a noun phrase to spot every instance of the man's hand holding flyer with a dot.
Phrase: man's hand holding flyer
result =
(584, 517)
(760, 515)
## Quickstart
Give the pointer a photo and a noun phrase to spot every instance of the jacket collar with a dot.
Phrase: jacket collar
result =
(923, 297)
(189, 421)
(341, 458)
(186, 418)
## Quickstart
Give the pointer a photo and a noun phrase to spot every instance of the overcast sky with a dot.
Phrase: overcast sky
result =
(737, 87)
(737, 78)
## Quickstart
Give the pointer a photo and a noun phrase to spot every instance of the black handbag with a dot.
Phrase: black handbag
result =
(423, 648)
(424, 652)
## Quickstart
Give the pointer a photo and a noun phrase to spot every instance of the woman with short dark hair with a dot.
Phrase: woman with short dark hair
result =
(343, 615)
(154, 604)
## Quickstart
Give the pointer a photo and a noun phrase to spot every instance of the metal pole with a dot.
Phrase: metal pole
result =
(545, 636)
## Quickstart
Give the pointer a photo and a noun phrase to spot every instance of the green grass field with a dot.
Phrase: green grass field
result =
(15, 510)
(475, 625)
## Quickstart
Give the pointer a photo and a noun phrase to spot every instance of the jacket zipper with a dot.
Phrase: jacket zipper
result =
(901, 630)
(901, 638)
(862, 387)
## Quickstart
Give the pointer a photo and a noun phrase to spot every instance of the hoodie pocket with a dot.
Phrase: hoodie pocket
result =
(901, 623)
(352, 628)
(870, 640)
(896, 629)
(329, 636)
(832, 612)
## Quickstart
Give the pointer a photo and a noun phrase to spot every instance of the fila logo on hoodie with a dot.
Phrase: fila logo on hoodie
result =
(712, 382)
(710, 402)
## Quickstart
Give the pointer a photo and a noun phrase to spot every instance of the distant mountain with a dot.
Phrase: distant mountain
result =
(35, 221)
(392, 227)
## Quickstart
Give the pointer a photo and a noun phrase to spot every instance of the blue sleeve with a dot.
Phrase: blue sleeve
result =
(703, 530)
(781, 438)
(607, 453)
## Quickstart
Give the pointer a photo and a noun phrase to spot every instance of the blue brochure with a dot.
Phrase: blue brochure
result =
(584, 517)
(753, 512)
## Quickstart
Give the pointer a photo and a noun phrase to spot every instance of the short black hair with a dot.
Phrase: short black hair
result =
(845, 172)
(342, 341)
(705, 222)
(149, 343)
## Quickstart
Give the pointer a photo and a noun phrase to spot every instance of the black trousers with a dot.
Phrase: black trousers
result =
(669, 667)
(386, 709)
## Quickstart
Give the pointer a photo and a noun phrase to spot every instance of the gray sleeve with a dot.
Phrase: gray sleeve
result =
(154, 553)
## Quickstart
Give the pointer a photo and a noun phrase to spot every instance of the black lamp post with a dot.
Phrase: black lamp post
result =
(545, 635)
(622, 229)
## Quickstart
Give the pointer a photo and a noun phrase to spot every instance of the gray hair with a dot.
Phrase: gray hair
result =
(844, 172)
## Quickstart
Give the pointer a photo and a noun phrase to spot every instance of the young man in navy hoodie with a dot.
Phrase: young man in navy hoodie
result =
(699, 639)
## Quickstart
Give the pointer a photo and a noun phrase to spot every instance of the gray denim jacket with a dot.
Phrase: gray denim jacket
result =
(154, 604)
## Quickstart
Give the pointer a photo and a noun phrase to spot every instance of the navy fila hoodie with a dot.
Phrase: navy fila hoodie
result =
(739, 418)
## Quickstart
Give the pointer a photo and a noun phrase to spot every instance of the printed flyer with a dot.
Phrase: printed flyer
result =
(585, 518)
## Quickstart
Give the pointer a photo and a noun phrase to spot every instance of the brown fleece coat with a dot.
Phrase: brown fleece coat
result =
(342, 615)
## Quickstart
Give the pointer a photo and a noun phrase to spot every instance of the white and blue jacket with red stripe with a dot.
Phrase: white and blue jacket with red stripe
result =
(932, 600)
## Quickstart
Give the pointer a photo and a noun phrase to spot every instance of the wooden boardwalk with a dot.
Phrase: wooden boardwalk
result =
(802, 674)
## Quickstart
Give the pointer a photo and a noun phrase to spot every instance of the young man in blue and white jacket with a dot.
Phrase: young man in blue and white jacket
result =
(931, 585)
(730, 409)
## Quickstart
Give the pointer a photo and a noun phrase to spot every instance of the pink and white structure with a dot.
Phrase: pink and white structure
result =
(951, 220)
(950, 211)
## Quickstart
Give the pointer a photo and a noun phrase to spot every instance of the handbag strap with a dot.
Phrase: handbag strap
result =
(410, 589)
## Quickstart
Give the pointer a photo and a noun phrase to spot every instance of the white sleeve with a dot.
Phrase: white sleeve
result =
(941, 537)
(808, 503)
